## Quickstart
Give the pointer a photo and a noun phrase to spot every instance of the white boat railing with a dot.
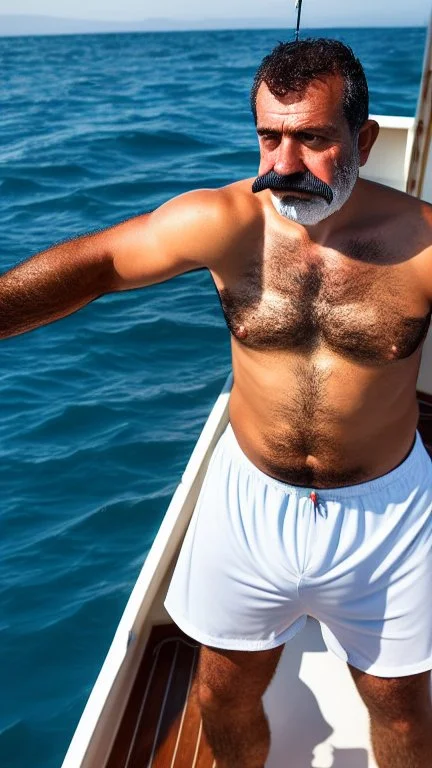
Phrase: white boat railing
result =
(389, 159)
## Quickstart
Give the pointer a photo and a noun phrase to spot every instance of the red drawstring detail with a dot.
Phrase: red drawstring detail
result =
(318, 506)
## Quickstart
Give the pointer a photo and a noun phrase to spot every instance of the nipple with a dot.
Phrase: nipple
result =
(394, 351)
(241, 332)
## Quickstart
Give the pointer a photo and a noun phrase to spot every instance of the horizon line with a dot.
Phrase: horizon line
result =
(253, 27)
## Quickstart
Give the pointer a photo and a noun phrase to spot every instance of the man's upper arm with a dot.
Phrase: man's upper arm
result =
(178, 237)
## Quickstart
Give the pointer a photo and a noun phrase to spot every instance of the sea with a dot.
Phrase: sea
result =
(100, 411)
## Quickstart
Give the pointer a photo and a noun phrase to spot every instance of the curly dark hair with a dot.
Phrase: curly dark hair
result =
(292, 66)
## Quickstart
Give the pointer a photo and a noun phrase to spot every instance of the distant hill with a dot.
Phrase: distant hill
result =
(47, 25)
(13, 25)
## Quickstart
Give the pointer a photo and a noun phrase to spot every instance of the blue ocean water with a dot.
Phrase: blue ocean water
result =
(101, 410)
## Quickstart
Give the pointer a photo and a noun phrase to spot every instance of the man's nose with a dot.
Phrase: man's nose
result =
(289, 159)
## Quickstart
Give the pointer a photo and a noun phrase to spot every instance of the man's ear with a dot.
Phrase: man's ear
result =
(366, 139)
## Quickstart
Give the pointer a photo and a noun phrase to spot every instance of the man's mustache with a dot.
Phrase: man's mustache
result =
(296, 182)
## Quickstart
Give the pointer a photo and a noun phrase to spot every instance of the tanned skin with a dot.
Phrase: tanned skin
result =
(327, 325)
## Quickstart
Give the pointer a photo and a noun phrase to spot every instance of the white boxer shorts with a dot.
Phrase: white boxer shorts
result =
(260, 556)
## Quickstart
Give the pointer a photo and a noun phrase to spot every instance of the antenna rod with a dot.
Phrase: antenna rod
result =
(299, 10)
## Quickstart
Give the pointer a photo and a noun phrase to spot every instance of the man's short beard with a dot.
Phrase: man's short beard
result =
(310, 212)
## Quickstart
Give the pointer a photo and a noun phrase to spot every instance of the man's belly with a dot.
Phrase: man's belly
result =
(320, 421)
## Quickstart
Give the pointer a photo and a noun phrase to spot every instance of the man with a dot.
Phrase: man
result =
(318, 498)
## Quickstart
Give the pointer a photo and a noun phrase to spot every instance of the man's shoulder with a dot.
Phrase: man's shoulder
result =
(395, 200)
(211, 221)
(241, 188)
(233, 202)
(396, 211)
(405, 223)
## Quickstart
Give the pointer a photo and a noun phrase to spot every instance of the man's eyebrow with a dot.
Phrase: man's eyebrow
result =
(328, 129)
(262, 131)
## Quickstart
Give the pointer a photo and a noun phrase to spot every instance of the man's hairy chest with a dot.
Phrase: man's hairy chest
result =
(358, 301)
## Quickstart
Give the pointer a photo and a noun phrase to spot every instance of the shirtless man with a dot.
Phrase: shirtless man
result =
(318, 497)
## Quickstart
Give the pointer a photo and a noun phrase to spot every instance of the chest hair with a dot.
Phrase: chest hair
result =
(356, 302)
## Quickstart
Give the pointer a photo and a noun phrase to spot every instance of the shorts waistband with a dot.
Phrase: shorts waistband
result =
(416, 465)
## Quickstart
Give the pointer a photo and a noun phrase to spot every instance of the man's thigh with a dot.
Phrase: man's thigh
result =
(395, 700)
(235, 676)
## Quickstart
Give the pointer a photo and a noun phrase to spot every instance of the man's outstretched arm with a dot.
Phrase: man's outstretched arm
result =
(142, 251)
(53, 284)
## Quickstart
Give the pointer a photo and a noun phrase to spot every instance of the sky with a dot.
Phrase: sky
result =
(315, 13)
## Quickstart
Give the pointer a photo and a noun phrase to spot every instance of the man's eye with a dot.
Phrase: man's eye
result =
(312, 138)
(270, 138)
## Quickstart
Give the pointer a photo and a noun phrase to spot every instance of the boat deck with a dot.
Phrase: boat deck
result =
(161, 726)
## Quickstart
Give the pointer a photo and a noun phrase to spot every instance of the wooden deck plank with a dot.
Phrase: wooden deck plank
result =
(148, 716)
(147, 736)
(187, 750)
(171, 731)
(134, 741)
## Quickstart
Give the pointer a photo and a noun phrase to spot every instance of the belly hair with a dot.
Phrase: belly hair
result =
(288, 458)
(307, 476)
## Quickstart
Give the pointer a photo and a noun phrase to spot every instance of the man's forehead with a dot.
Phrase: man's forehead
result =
(320, 99)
